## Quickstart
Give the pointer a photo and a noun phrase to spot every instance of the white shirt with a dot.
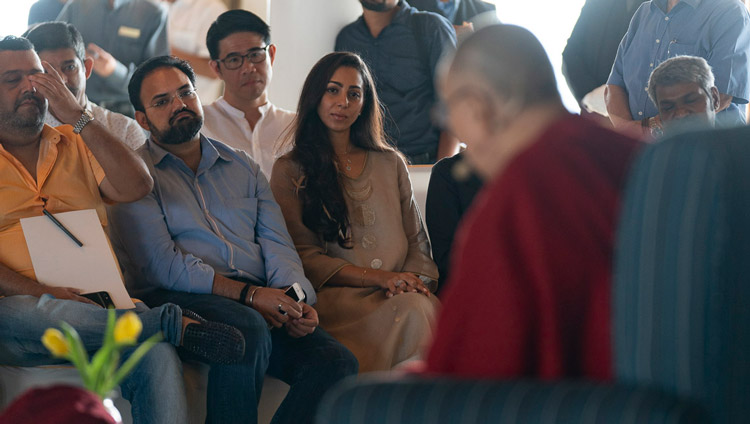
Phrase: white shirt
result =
(227, 124)
(121, 126)
(187, 26)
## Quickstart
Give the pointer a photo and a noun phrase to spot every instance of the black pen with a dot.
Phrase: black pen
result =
(62, 227)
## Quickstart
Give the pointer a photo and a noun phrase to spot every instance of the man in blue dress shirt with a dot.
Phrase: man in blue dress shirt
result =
(210, 235)
(717, 30)
(402, 47)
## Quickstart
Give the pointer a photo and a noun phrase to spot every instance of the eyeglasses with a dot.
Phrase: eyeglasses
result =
(235, 61)
(163, 102)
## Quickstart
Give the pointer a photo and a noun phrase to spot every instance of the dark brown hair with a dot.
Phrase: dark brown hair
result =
(323, 206)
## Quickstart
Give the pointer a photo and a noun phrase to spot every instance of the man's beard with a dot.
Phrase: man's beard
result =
(180, 131)
(376, 7)
(26, 121)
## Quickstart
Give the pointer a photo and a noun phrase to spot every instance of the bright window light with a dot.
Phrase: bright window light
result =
(13, 16)
(551, 21)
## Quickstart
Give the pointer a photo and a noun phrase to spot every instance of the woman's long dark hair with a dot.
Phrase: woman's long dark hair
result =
(323, 206)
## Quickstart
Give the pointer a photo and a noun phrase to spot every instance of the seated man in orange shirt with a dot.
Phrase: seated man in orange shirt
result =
(72, 168)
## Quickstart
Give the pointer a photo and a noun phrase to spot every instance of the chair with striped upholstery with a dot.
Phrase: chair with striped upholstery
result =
(682, 272)
(434, 401)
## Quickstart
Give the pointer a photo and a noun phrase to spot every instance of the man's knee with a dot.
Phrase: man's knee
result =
(162, 361)
(255, 330)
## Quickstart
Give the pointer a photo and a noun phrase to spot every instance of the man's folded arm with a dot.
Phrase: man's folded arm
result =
(141, 230)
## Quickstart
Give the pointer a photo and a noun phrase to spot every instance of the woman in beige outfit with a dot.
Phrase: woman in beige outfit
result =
(348, 205)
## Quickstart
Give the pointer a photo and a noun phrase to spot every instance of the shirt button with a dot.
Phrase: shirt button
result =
(376, 263)
(645, 89)
(640, 113)
(666, 18)
(658, 41)
(651, 65)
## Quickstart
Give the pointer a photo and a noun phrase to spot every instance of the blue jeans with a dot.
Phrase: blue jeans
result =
(310, 364)
(155, 387)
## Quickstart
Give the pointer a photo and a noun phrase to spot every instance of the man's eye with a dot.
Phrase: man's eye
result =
(233, 60)
(70, 68)
(160, 103)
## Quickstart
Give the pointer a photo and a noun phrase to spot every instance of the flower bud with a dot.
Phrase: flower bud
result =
(127, 328)
(55, 342)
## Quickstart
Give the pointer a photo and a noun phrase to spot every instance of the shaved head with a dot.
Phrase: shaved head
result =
(512, 62)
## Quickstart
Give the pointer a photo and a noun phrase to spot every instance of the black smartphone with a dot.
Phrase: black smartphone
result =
(102, 298)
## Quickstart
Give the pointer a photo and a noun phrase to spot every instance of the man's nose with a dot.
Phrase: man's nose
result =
(27, 85)
(681, 112)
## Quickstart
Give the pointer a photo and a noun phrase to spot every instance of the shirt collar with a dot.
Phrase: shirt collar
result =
(209, 153)
(662, 4)
(52, 135)
(222, 103)
(403, 12)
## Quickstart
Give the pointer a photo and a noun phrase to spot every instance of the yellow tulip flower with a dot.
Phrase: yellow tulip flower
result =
(127, 328)
(55, 342)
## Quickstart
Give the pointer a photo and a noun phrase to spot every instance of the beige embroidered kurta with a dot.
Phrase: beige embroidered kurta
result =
(387, 234)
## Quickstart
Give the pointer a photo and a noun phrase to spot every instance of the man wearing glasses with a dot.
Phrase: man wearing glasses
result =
(242, 55)
(211, 235)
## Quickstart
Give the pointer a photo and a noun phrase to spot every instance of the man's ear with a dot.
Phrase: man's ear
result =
(272, 53)
(715, 99)
(88, 66)
(140, 117)
(214, 64)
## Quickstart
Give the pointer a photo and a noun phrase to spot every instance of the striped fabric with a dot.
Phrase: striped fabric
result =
(682, 272)
(413, 401)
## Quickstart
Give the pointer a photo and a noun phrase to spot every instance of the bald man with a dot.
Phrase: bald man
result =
(529, 293)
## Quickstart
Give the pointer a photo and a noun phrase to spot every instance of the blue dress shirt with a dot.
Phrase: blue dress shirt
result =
(403, 59)
(223, 218)
(716, 30)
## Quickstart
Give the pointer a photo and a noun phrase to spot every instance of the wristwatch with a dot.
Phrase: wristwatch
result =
(85, 118)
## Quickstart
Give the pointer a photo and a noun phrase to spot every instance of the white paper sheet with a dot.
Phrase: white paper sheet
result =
(59, 262)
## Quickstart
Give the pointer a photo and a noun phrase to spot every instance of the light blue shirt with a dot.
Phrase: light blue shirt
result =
(223, 218)
(716, 30)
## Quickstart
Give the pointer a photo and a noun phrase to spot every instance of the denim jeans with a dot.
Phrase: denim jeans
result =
(310, 364)
(155, 387)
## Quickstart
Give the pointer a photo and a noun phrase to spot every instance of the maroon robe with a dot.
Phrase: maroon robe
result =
(530, 294)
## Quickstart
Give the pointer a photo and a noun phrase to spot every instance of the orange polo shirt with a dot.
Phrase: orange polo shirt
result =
(68, 176)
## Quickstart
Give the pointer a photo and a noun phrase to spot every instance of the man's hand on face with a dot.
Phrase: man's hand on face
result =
(305, 325)
(104, 63)
(62, 103)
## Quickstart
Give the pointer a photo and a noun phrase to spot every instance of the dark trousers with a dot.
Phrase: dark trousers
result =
(310, 364)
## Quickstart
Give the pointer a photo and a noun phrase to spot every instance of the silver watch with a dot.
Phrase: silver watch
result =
(85, 118)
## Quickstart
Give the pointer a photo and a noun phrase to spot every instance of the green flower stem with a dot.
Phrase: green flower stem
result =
(131, 362)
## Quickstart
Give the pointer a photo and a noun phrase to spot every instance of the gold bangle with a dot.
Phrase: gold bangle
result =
(252, 293)
(364, 272)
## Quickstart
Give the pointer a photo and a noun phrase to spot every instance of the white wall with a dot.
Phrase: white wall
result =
(259, 7)
(303, 31)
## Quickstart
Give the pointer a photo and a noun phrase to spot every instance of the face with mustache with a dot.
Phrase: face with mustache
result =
(173, 112)
(22, 109)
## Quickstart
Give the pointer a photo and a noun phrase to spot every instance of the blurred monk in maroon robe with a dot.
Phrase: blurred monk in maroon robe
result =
(529, 294)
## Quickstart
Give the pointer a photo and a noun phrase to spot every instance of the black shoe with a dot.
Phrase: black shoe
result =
(212, 342)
